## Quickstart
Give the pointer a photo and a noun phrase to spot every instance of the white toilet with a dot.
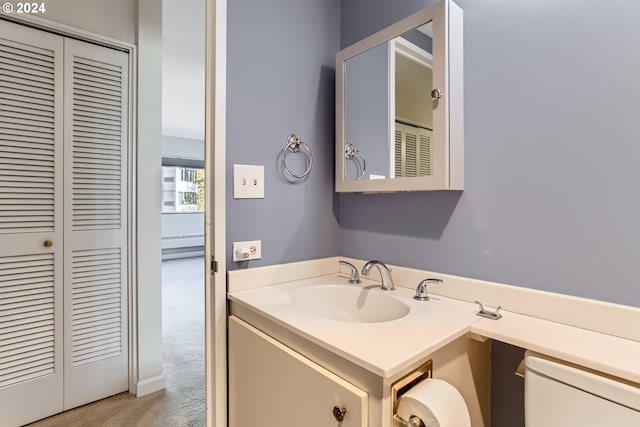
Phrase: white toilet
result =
(558, 394)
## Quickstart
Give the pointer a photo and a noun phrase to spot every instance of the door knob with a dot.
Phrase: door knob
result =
(48, 243)
(339, 413)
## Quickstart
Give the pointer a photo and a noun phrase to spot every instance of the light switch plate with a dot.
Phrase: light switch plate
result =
(245, 251)
(248, 182)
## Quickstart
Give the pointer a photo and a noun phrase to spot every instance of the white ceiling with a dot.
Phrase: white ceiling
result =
(183, 37)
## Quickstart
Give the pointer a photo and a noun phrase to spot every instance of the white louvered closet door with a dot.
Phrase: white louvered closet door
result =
(95, 202)
(31, 365)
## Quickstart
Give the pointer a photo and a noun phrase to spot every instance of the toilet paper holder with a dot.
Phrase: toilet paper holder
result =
(403, 385)
(413, 421)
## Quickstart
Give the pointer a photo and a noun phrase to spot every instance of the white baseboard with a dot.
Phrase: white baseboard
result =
(150, 385)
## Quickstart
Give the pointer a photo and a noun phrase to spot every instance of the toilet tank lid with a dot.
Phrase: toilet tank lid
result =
(611, 388)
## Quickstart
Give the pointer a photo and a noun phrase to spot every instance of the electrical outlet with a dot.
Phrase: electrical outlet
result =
(245, 251)
(248, 182)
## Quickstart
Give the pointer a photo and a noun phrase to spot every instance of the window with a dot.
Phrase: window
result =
(189, 198)
(188, 175)
(182, 189)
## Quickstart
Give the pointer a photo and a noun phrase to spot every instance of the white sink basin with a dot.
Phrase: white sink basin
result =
(350, 303)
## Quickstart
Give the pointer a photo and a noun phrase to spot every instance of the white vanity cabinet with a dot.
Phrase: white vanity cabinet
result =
(270, 385)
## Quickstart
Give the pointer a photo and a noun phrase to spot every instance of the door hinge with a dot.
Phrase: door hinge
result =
(214, 266)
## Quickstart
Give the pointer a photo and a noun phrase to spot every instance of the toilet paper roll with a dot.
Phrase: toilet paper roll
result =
(436, 402)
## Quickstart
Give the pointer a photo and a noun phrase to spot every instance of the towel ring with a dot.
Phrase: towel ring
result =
(293, 145)
(349, 153)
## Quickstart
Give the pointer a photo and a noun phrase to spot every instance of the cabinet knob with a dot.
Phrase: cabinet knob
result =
(436, 94)
(48, 243)
(339, 413)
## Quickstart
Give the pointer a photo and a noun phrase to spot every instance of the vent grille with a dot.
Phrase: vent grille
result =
(412, 151)
(97, 145)
(26, 318)
(183, 237)
(26, 139)
(424, 152)
(398, 152)
(96, 305)
(411, 154)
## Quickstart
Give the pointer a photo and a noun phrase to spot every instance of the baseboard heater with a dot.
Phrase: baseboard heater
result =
(182, 246)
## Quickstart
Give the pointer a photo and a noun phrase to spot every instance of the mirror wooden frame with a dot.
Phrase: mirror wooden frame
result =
(448, 118)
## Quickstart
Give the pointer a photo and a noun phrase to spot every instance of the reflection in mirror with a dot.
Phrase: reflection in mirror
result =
(359, 161)
(389, 108)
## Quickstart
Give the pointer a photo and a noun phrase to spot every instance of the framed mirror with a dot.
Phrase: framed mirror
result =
(399, 106)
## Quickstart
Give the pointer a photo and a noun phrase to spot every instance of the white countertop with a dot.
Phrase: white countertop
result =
(388, 348)
(385, 348)
(605, 353)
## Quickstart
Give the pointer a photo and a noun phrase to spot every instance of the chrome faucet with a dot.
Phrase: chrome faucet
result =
(385, 274)
(421, 290)
(355, 277)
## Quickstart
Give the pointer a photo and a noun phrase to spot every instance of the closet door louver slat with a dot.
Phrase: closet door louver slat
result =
(96, 285)
(24, 140)
(27, 296)
(92, 170)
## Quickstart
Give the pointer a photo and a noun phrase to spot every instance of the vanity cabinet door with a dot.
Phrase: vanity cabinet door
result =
(270, 385)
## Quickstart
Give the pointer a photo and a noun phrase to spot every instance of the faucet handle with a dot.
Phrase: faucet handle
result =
(355, 276)
(421, 290)
(493, 315)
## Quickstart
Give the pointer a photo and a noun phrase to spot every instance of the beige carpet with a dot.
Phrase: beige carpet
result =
(182, 403)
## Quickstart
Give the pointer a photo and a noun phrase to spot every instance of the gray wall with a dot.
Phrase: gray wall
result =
(420, 39)
(552, 182)
(280, 80)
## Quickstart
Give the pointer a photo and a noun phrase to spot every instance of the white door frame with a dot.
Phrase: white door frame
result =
(68, 31)
(215, 223)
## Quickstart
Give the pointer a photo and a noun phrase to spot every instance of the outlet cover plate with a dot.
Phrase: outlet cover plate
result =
(254, 246)
(248, 182)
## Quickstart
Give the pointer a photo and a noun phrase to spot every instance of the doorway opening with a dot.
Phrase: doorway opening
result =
(183, 206)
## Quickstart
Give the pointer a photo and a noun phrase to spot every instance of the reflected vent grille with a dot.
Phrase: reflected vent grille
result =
(97, 305)
(425, 152)
(97, 145)
(26, 318)
(26, 138)
(398, 152)
(411, 155)
(412, 150)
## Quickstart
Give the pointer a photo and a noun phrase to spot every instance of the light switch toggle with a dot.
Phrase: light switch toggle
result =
(248, 182)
